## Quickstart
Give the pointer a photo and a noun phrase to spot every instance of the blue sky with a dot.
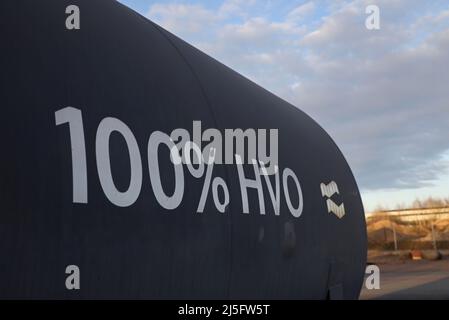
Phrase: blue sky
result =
(383, 95)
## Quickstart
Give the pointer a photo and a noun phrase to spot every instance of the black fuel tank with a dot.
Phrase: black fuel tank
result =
(86, 177)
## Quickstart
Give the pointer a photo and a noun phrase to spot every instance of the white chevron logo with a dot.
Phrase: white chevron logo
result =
(327, 191)
(339, 211)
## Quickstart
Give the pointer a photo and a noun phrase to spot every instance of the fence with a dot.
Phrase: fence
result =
(409, 229)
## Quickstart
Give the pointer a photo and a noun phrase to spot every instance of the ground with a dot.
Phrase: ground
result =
(408, 279)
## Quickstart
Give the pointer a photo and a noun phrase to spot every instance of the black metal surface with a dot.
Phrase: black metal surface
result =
(121, 65)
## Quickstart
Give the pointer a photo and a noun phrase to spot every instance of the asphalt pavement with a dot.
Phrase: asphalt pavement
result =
(411, 280)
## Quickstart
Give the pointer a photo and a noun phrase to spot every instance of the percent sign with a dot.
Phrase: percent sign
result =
(217, 182)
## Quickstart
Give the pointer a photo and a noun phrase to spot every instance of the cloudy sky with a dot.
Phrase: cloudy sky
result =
(383, 95)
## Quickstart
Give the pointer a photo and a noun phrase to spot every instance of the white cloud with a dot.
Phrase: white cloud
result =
(384, 100)
(301, 11)
(383, 95)
(182, 18)
(235, 7)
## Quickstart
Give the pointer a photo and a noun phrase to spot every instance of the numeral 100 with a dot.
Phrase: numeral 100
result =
(74, 118)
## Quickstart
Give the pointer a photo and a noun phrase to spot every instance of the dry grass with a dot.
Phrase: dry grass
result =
(381, 230)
